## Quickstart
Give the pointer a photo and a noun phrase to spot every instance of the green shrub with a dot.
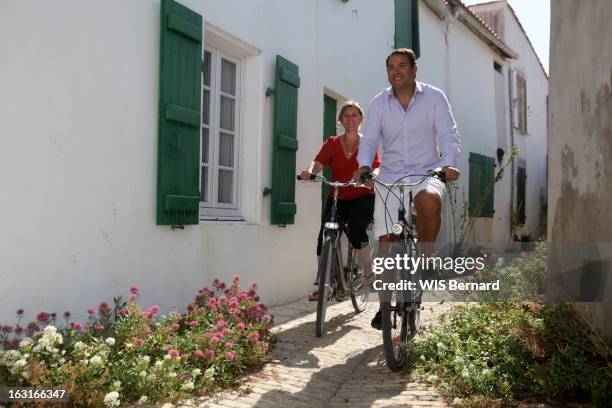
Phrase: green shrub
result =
(492, 353)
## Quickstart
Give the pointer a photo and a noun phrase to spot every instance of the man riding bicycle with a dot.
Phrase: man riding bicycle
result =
(413, 125)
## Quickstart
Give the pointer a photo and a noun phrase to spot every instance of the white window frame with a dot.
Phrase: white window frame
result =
(212, 210)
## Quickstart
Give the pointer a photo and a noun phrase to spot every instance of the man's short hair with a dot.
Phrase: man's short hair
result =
(403, 51)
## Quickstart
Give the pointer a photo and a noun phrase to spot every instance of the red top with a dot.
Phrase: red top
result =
(342, 168)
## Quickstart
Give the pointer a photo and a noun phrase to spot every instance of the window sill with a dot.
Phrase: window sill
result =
(223, 221)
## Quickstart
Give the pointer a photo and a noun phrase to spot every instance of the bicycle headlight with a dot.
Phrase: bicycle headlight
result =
(332, 225)
(396, 228)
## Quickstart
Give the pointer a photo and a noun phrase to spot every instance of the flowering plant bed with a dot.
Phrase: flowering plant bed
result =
(127, 354)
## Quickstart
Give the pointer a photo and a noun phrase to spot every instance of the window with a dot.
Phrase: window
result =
(482, 185)
(219, 184)
(521, 106)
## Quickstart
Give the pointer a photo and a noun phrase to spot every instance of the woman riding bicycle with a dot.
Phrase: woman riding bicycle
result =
(355, 204)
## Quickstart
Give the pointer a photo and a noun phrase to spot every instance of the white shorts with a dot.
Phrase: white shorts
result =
(430, 184)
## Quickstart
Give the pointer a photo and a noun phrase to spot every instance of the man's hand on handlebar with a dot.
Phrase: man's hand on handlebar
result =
(451, 173)
(358, 175)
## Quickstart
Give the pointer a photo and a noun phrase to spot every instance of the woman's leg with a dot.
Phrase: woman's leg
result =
(360, 216)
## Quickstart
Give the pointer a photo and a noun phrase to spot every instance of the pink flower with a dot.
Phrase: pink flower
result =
(100, 328)
(201, 392)
(175, 326)
(6, 328)
(147, 331)
(138, 342)
(226, 331)
(215, 340)
(193, 324)
(134, 289)
(19, 312)
(209, 354)
(220, 324)
(42, 317)
(198, 353)
(33, 326)
(240, 325)
(222, 285)
(133, 297)
(236, 281)
(154, 309)
(173, 353)
(230, 356)
(18, 329)
(76, 326)
(229, 345)
(255, 336)
(91, 311)
(67, 314)
(103, 306)
(122, 312)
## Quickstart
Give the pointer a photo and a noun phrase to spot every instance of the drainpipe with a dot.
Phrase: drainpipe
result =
(511, 145)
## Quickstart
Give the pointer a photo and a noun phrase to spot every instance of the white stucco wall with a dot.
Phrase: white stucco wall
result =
(78, 135)
(533, 144)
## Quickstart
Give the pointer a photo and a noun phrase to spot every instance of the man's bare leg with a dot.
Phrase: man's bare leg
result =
(429, 209)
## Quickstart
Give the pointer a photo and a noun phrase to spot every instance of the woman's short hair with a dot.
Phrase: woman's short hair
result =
(350, 104)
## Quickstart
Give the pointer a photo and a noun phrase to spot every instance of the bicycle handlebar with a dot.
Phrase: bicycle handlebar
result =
(439, 174)
(314, 177)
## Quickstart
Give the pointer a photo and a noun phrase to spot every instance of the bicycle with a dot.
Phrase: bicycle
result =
(400, 304)
(351, 279)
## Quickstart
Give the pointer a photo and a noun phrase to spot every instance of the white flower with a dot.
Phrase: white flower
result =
(209, 373)
(146, 359)
(167, 357)
(110, 341)
(25, 344)
(151, 377)
(95, 360)
(196, 372)
(128, 345)
(440, 345)
(25, 375)
(143, 400)
(465, 373)
(20, 363)
(143, 373)
(188, 386)
(112, 399)
(117, 384)
(159, 363)
(172, 375)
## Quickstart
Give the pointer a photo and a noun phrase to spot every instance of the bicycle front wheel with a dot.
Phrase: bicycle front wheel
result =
(395, 330)
(325, 262)
(396, 314)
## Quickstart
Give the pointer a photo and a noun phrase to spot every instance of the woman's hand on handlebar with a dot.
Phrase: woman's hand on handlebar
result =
(305, 175)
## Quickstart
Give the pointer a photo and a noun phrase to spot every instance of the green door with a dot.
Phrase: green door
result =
(329, 129)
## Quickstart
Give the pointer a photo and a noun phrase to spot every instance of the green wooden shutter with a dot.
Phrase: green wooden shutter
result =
(407, 25)
(178, 149)
(285, 142)
(329, 129)
(482, 186)
(521, 183)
